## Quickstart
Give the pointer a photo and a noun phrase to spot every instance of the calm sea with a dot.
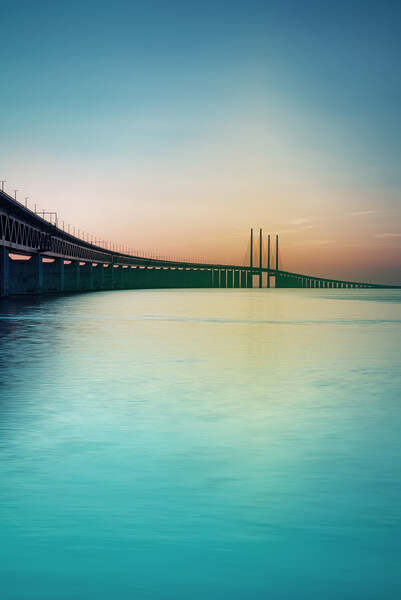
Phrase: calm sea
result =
(217, 445)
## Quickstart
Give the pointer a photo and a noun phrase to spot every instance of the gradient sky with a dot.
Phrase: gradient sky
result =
(175, 126)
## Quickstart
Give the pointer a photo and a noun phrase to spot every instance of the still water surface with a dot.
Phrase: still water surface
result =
(218, 444)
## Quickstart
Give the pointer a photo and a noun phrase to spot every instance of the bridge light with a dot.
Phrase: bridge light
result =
(15, 194)
(2, 181)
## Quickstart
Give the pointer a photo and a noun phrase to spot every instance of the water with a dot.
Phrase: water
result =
(218, 444)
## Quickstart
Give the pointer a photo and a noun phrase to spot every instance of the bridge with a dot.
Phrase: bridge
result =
(36, 256)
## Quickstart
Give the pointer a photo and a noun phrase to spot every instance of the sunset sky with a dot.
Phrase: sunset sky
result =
(174, 126)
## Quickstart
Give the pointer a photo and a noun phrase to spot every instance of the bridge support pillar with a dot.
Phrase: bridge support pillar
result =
(132, 277)
(203, 280)
(107, 276)
(37, 265)
(195, 278)
(230, 278)
(126, 278)
(164, 281)
(249, 279)
(26, 276)
(141, 279)
(223, 278)
(98, 277)
(236, 279)
(189, 277)
(179, 278)
(167, 277)
(243, 279)
(71, 276)
(61, 271)
(117, 277)
(86, 277)
(184, 278)
(4, 272)
(215, 278)
(174, 278)
(200, 278)
(53, 275)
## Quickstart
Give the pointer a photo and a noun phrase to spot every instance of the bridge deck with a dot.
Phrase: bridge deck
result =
(25, 232)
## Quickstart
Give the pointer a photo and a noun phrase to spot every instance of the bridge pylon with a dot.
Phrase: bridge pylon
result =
(258, 270)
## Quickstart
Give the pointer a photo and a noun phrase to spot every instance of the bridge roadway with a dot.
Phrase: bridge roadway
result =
(58, 262)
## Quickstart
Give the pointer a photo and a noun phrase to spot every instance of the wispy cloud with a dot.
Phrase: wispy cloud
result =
(386, 235)
(318, 242)
(363, 213)
(225, 237)
(302, 221)
(285, 231)
(297, 221)
(308, 243)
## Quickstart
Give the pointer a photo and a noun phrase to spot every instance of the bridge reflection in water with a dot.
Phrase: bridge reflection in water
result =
(56, 261)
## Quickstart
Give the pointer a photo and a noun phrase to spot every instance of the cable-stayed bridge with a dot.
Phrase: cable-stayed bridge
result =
(36, 256)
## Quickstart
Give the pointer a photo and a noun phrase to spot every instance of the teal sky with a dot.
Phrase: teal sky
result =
(175, 126)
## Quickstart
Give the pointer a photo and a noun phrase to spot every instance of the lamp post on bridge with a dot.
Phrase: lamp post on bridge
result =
(251, 260)
(260, 258)
(2, 181)
(15, 195)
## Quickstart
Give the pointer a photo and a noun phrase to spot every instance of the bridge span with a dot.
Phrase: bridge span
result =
(38, 257)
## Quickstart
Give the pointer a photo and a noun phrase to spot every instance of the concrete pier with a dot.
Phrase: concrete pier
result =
(53, 275)
(25, 276)
(4, 272)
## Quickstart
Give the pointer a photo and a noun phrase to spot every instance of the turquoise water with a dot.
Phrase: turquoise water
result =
(218, 444)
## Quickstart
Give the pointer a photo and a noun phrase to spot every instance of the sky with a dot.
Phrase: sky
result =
(173, 127)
